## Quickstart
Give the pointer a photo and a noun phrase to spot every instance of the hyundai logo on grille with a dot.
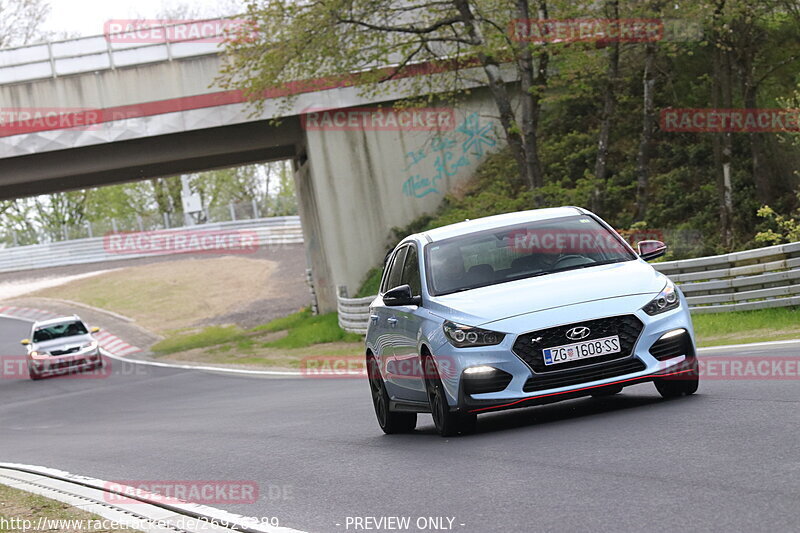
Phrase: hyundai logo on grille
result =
(578, 333)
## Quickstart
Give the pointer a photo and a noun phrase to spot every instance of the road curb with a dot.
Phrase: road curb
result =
(91, 495)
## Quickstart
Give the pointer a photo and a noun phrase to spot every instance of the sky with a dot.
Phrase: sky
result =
(86, 17)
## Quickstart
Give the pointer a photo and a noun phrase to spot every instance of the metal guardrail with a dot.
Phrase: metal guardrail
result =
(99, 52)
(354, 314)
(739, 281)
(273, 231)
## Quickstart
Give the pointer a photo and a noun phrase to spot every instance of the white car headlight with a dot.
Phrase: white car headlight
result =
(666, 300)
(89, 345)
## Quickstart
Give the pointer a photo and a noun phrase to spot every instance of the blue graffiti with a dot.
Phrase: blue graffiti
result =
(477, 135)
(478, 138)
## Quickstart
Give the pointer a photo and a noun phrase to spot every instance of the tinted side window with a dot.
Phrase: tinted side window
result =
(411, 272)
(395, 269)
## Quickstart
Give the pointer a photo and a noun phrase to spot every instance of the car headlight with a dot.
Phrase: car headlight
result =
(666, 300)
(462, 336)
(89, 345)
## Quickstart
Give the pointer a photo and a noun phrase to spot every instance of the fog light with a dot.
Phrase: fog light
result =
(673, 333)
(483, 369)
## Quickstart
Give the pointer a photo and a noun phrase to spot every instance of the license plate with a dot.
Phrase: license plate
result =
(581, 350)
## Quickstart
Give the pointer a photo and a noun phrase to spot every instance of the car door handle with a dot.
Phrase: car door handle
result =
(392, 321)
(374, 318)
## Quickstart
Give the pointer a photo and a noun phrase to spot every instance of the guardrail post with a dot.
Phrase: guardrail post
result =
(89, 229)
(233, 211)
(14, 237)
(110, 51)
(166, 220)
(114, 225)
(64, 231)
(255, 208)
(139, 222)
(52, 59)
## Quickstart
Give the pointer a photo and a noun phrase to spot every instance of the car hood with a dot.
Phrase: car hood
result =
(480, 306)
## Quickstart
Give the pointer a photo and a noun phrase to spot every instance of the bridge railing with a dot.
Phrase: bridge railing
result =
(739, 281)
(107, 51)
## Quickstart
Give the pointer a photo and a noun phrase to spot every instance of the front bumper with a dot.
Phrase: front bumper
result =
(522, 390)
(62, 364)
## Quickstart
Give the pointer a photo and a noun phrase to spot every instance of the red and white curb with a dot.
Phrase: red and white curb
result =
(109, 342)
(26, 313)
(115, 345)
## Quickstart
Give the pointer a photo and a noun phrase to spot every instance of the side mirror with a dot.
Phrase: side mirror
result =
(94, 329)
(651, 249)
(25, 342)
(401, 296)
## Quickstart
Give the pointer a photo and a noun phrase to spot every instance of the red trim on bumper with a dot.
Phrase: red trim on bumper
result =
(649, 376)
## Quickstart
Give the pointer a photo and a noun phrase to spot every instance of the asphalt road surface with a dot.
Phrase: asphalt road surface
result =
(725, 459)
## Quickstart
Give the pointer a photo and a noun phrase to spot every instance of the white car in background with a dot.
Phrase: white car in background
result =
(61, 345)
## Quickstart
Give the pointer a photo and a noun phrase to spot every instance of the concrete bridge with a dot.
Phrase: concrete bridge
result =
(91, 111)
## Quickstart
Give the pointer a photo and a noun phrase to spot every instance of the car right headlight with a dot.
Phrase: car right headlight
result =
(462, 336)
(666, 300)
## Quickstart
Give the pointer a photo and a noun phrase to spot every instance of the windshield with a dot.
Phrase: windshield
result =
(520, 251)
(56, 331)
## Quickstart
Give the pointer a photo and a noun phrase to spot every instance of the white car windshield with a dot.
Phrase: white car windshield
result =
(56, 331)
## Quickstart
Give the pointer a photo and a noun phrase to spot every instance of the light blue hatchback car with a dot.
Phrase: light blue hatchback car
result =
(521, 309)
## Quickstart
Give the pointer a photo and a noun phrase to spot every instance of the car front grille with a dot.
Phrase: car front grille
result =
(528, 346)
(583, 375)
(65, 352)
(676, 346)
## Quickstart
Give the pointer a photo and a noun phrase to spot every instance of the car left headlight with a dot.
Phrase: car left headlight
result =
(462, 336)
(89, 345)
(666, 300)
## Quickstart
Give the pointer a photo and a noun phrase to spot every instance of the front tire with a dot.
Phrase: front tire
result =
(680, 385)
(447, 422)
(390, 421)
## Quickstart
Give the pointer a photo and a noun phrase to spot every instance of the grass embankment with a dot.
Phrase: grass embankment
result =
(176, 299)
(283, 342)
(21, 506)
(741, 327)
(174, 294)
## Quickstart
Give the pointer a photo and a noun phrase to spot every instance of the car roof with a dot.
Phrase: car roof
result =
(51, 321)
(500, 221)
